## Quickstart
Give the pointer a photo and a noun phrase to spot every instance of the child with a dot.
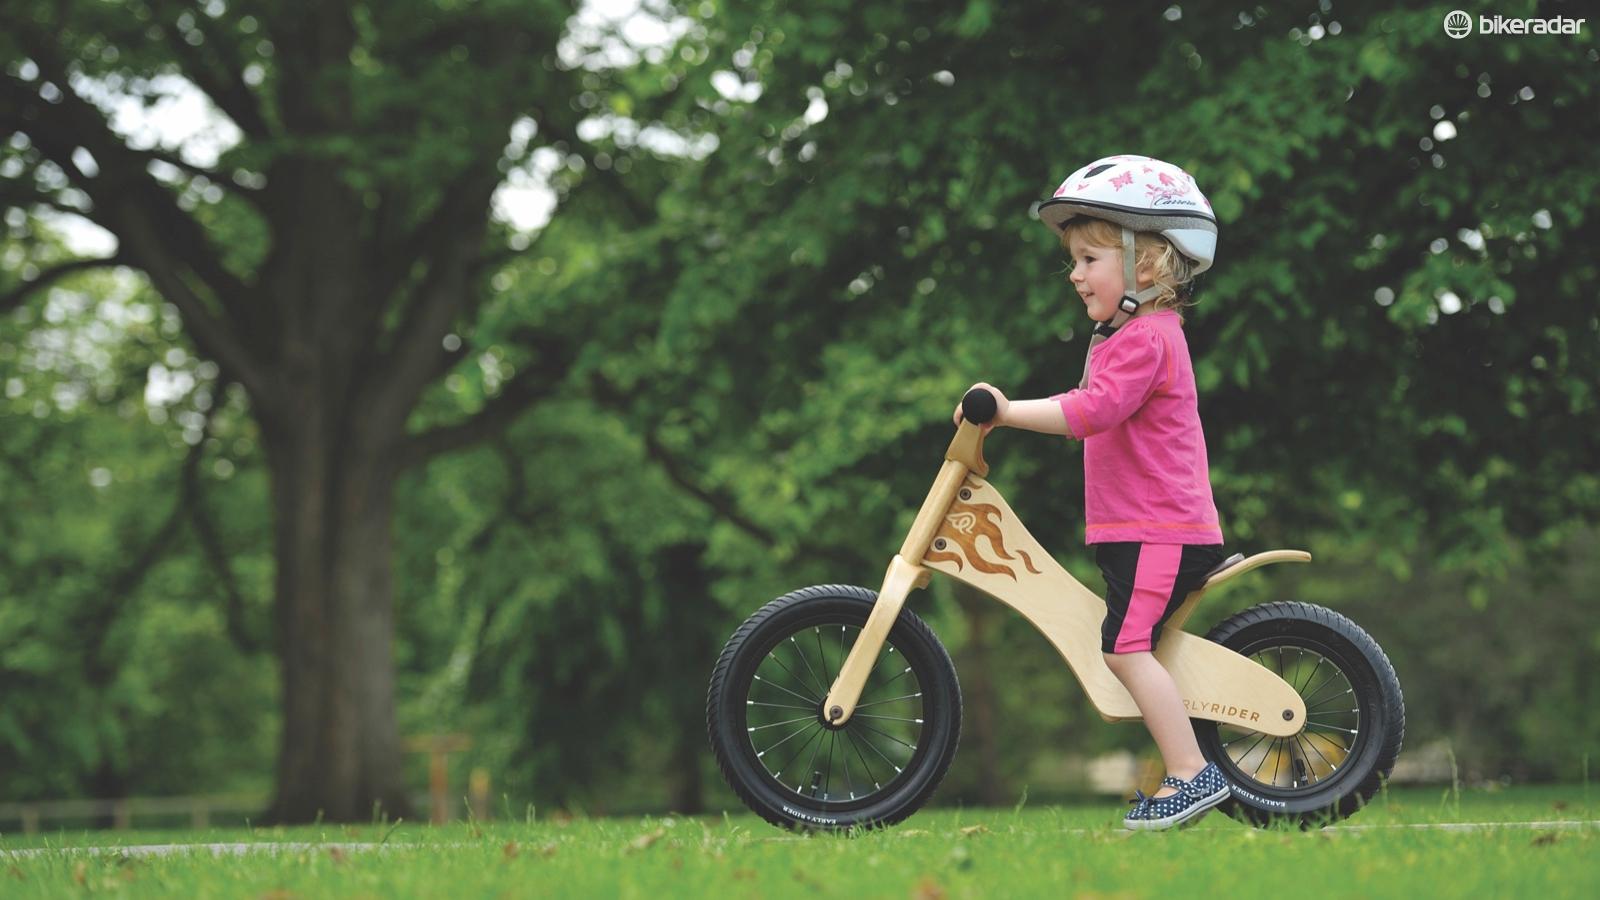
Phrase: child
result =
(1139, 230)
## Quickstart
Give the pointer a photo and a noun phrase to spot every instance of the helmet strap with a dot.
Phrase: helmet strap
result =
(1132, 299)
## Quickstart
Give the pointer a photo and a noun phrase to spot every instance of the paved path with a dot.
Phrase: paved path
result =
(290, 847)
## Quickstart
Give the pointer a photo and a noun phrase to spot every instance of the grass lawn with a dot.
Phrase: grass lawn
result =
(1067, 851)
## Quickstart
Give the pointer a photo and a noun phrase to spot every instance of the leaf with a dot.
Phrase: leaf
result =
(645, 840)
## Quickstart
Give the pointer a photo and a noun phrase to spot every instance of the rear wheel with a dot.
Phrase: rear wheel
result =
(1355, 718)
(778, 751)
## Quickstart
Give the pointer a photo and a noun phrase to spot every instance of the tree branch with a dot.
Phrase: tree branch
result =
(16, 295)
(74, 122)
(530, 385)
(222, 79)
(154, 234)
(95, 622)
(463, 201)
(637, 209)
(205, 531)
(219, 179)
(721, 505)
(410, 361)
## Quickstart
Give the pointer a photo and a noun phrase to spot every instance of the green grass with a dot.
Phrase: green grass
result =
(1031, 851)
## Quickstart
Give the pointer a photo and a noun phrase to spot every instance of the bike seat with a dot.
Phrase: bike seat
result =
(1236, 558)
(1238, 564)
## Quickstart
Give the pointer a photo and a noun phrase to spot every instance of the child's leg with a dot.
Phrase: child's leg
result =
(1161, 706)
(1145, 584)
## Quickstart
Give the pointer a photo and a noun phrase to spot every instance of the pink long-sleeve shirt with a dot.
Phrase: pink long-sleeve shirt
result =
(1144, 455)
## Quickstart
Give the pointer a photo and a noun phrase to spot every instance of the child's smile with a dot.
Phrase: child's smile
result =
(1097, 276)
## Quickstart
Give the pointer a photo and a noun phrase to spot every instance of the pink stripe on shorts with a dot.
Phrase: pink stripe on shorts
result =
(1153, 581)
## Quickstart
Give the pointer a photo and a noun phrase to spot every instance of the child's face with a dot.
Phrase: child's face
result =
(1097, 275)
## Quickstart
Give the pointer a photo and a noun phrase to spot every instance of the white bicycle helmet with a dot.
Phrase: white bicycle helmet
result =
(1140, 194)
(1143, 194)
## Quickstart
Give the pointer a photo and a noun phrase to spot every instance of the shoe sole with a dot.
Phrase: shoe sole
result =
(1188, 816)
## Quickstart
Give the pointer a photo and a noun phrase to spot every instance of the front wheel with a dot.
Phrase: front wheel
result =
(1355, 718)
(779, 753)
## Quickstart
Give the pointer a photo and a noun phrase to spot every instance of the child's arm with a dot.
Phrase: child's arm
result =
(1127, 374)
(1124, 380)
(1044, 416)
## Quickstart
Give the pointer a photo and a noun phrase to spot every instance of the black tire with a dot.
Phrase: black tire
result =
(903, 760)
(1355, 718)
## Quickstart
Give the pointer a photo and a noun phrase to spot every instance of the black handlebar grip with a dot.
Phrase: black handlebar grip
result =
(978, 406)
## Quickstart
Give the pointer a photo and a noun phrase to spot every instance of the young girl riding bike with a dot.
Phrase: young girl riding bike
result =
(1138, 231)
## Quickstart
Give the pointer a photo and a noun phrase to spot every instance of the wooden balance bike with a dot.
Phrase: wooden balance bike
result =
(834, 707)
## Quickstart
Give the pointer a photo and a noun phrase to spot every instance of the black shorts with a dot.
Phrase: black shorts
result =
(1145, 585)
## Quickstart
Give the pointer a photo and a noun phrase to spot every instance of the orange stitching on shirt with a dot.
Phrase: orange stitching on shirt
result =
(1082, 420)
(1152, 525)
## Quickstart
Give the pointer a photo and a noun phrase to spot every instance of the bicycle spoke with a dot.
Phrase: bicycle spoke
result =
(1319, 707)
(849, 783)
(1310, 724)
(1332, 767)
(1263, 760)
(822, 658)
(827, 775)
(782, 742)
(800, 682)
(1342, 748)
(897, 677)
(784, 722)
(890, 700)
(799, 750)
(888, 735)
(879, 668)
(889, 718)
(811, 763)
(1261, 736)
(1324, 683)
(1320, 660)
(822, 690)
(874, 748)
(779, 705)
(784, 689)
(870, 777)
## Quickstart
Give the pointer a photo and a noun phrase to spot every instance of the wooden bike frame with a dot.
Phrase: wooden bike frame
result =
(967, 531)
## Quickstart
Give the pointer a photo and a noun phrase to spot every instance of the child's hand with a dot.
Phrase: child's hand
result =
(1000, 404)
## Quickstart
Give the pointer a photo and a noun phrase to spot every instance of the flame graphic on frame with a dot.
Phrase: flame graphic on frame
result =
(964, 524)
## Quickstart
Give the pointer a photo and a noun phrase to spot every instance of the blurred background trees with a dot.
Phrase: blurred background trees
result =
(783, 240)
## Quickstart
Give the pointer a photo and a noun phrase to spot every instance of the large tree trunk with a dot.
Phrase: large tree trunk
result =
(340, 757)
(337, 332)
(330, 436)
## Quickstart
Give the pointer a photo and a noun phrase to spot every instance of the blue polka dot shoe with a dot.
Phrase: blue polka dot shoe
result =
(1194, 799)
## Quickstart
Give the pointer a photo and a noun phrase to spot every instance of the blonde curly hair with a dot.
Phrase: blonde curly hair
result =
(1171, 271)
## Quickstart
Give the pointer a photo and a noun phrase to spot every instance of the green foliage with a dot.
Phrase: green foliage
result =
(122, 671)
(1397, 356)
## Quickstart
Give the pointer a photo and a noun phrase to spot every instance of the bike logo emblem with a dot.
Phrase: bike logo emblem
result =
(1457, 24)
(963, 525)
(963, 522)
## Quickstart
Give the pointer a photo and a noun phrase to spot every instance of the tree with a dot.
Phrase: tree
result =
(326, 263)
(1396, 266)
(1395, 341)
